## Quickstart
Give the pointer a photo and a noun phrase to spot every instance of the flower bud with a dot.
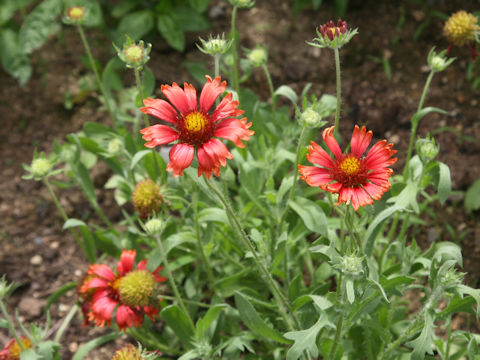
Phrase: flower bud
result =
(40, 167)
(438, 62)
(427, 149)
(215, 45)
(147, 198)
(258, 56)
(461, 28)
(350, 265)
(75, 15)
(243, 4)
(310, 117)
(134, 55)
(333, 36)
(114, 147)
(153, 226)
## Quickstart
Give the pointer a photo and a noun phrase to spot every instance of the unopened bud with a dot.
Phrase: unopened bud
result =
(243, 4)
(438, 62)
(153, 226)
(351, 265)
(134, 55)
(310, 117)
(40, 167)
(258, 56)
(215, 45)
(427, 149)
(114, 147)
(75, 15)
(333, 36)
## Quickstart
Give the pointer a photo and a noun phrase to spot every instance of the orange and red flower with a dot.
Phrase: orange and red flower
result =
(195, 126)
(129, 289)
(357, 179)
(12, 350)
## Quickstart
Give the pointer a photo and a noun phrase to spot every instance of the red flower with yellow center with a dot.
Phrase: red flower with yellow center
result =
(357, 179)
(129, 290)
(195, 126)
(12, 350)
(331, 31)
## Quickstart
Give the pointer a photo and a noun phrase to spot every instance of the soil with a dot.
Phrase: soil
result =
(38, 255)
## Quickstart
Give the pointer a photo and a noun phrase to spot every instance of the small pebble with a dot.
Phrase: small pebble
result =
(78, 273)
(73, 347)
(36, 260)
(54, 245)
(38, 240)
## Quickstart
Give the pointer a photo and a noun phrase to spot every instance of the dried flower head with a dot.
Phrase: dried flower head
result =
(147, 198)
(461, 27)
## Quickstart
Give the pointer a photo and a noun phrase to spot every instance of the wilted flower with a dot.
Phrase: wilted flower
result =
(129, 289)
(215, 45)
(357, 179)
(147, 198)
(12, 350)
(195, 127)
(333, 36)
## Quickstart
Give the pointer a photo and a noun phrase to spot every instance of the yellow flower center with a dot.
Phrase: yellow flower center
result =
(136, 288)
(128, 352)
(195, 121)
(461, 27)
(76, 12)
(350, 165)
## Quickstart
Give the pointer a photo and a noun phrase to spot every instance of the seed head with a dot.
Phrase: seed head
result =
(147, 198)
(461, 27)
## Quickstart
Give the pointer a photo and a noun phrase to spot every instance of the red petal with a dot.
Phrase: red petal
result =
(319, 156)
(142, 265)
(102, 271)
(315, 176)
(94, 283)
(126, 317)
(380, 155)
(191, 95)
(151, 311)
(181, 156)
(160, 109)
(177, 97)
(159, 135)
(102, 306)
(210, 92)
(234, 130)
(331, 142)
(227, 108)
(360, 140)
(127, 259)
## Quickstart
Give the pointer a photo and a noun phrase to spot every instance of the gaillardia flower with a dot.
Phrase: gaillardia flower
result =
(333, 36)
(129, 289)
(357, 179)
(195, 126)
(461, 27)
(12, 350)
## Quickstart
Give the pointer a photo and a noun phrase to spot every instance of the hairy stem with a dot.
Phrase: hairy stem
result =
(339, 90)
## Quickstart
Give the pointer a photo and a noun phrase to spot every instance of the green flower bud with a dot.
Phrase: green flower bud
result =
(438, 62)
(333, 36)
(258, 56)
(215, 45)
(134, 55)
(427, 149)
(350, 265)
(153, 226)
(310, 117)
(40, 167)
(114, 147)
(243, 4)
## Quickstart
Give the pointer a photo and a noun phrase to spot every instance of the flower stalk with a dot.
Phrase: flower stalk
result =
(272, 91)
(339, 90)
(233, 32)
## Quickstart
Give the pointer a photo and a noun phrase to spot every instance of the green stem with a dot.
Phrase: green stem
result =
(138, 81)
(415, 124)
(216, 61)
(339, 90)
(402, 237)
(65, 217)
(196, 303)
(201, 250)
(267, 277)
(338, 333)
(233, 31)
(172, 282)
(272, 91)
(66, 322)
(95, 71)
(449, 333)
(10, 326)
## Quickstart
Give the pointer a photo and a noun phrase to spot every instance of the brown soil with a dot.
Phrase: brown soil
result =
(36, 253)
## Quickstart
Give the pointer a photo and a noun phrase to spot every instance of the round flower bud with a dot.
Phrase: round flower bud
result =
(310, 117)
(136, 288)
(461, 27)
(40, 167)
(438, 63)
(215, 45)
(427, 149)
(115, 146)
(75, 14)
(147, 198)
(134, 53)
(153, 226)
(351, 265)
(258, 56)
(128, 352)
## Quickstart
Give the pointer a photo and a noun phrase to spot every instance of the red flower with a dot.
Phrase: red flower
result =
(129, 289)
(331, 31)
(12, 350)
(355, 178)
(195, 127)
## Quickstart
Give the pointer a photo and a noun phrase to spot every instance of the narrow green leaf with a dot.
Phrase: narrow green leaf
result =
(288, 92)
(213, 214)
(375, 226)
(137, 157)
(70, 223)
(204, 323)
(254, 322)
(444, 182)
(472, 197)
(92, 344)
(59, 293)
(350, 290)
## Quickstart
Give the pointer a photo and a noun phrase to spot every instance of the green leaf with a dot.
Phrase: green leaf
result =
(70, 223)
(83, 179)
(204, 323)
(92, 344)
(135, 25)
(48, 350)
(375, 227)
(472, 197)
(39, 25)
(306, 339)
(340, 7)
(213, 214)
(199, 5)
(350, 290)
(474, 293)
(444, 182)
(148, 82)
(420, 114)
(312, 215)
(170, 28)
(288, 92)
(190, 19)
(29, 354)
(59, 293)
(423, 343)
(9, 7)
(457, 305)
(407, 197)
(178, 321)
(13, 60)
(137, 157)
(446, 250)
(327, 105)
(254, 322)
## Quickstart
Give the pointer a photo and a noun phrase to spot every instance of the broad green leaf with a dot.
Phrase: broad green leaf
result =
(213, 214)
(288, 92)
(9, 7)
(472, 197)
(135, 25)
(375, 227)
(326, 105)
(444, 182)
(448, 251)
(254, 322)
(199, 5)
(39, 25)
(458, 305)
(312, 215)
(178, 321)
(306, 339)
(30, 354)
(190, 19)
(171, 29)
(48, 350)
(13, 60)
(407, 197)
(148, 82)
(204, 323)
(92, 344)
(474, 293)
(70, 223)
